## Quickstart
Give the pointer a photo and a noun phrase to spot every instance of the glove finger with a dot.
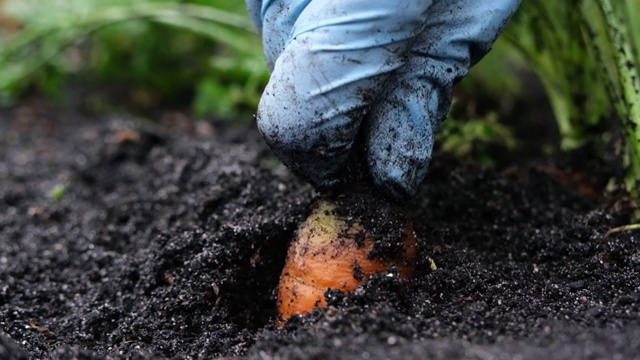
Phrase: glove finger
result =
(335, 62)
(401, 126)
(400, 136)
(458, 34)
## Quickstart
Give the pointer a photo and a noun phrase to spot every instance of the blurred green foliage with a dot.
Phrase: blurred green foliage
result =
(473, 137)
(159, 51)
(549, 35)
(586, 53)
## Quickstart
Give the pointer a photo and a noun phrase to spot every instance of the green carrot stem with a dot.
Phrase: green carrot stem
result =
(627, 71)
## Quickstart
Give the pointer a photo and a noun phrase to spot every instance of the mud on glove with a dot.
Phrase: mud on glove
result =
(337, 65)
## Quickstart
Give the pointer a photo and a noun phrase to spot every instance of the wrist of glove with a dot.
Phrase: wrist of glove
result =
(375, 67)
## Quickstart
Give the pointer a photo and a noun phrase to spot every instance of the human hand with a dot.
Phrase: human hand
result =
(387, 67)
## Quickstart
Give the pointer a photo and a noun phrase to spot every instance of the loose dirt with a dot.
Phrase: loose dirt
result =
(168, 240)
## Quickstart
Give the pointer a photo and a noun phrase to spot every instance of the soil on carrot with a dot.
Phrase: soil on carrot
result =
(166, 240)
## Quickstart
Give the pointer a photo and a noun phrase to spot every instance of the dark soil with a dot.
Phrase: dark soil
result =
(169, 239)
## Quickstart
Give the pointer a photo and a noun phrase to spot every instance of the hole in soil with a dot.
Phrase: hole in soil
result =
(251, 238)
(249, 293)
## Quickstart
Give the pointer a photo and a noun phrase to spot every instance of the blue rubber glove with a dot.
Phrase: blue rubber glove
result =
(386, 66)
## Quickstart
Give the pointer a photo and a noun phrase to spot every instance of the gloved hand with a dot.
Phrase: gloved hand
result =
(386, 66)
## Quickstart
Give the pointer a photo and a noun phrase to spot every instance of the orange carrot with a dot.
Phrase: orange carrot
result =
(331, 252)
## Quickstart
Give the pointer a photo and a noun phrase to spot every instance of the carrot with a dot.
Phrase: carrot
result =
(332, 251)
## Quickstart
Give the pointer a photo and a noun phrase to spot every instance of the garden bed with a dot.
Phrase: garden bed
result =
(166, 239)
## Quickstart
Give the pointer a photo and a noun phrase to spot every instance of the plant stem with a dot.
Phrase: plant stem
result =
(629, 99)
(622, 228)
